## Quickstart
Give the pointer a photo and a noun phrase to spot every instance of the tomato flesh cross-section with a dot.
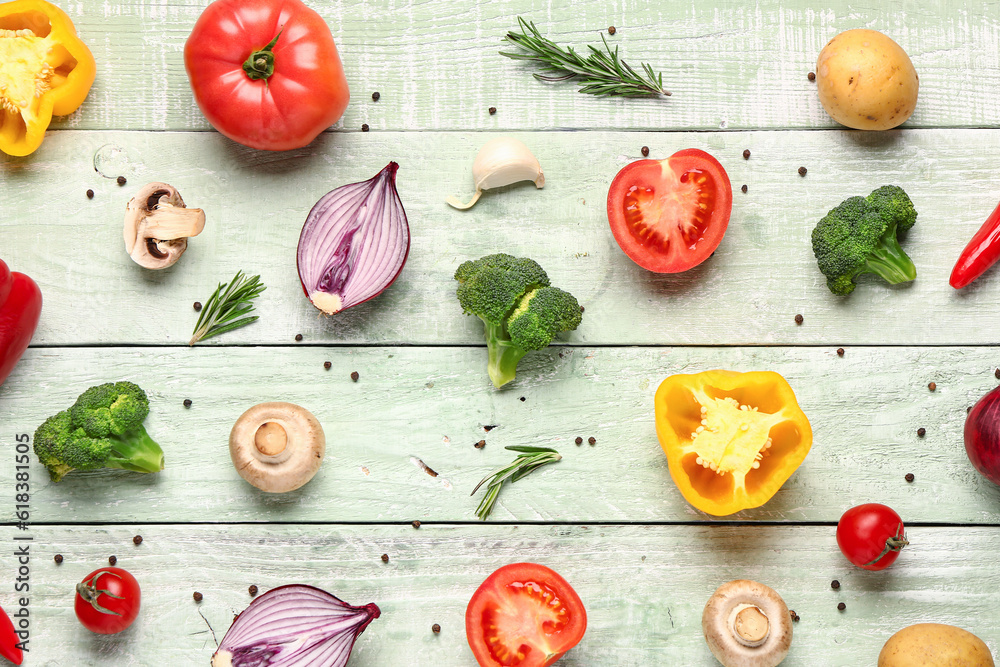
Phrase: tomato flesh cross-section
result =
(669, 216)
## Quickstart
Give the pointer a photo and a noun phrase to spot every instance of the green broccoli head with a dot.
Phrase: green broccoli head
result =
(520, 310)
(103, 429)
(859, 236)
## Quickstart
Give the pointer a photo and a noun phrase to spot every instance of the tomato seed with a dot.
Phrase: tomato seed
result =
(197, 596)
(746, 154)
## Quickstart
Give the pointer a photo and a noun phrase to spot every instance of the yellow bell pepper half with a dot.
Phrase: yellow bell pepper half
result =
(731, 439)
(44, 69)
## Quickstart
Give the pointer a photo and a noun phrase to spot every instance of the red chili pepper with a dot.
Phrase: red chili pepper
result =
(20, 307)
(8, 637)
(982, 252)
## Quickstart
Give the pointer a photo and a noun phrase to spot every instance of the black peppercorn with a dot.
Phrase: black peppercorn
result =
(298, 338)
(522, 399)
(416, 524)
(90, 194)
(385, 558)
(480, 444)
(137, 539)
(932, 386)
(579, 440)
(592, 440)
(187, 402)
(645, 151)
(811, 76)
(795, 617)
(841, 606)
(375, 96)
(611, 30)
(355, 376)
(493, 110)
(197, 596)
(840, 351)
(197, 306)
(802, 171)
(435, 628)
(327, 365)
(746, 154)
(921, 431)
(252, 590)
(996, 373)
(364, 127)
(112, 559)
(121, 180)
(58, 558)
(909, 477)
(744, 188)
(834, 584)
(799, 319)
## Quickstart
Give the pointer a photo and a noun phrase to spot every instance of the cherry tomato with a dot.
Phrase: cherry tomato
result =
(670, 215)
(266, 73)
(107, 600)
(871, 536)
(525, 615)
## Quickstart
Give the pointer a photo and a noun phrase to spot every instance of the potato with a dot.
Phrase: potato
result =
(934, 645)
(866, 81)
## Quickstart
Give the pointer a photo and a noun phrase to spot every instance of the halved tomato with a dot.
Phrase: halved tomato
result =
(523, 615)
(670, 215)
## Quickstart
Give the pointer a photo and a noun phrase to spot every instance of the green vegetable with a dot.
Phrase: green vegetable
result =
(530, 458)
(521, 311)
(859, 236)
(103, 429)
(224, 308)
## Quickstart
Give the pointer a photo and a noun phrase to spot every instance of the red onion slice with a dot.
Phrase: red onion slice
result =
(294, 626)
(354, 243)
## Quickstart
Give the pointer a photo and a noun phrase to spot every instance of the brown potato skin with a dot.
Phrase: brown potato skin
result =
(866, 81)
(935, 645)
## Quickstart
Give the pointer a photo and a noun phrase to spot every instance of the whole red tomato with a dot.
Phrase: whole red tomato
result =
(670, 215)
(871, 536)
(523, 614)
(266, 73)
(107, 600)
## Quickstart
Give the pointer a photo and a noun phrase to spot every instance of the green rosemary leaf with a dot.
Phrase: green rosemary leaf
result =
(529, 460)
(228, 303)
(602, 71)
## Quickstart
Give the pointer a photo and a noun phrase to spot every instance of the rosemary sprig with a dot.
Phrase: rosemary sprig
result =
(223, 308)
(601, 73)
(529, 459)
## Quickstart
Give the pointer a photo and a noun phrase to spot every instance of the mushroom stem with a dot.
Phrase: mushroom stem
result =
(167, 222)
(270, 438)
(749, 625)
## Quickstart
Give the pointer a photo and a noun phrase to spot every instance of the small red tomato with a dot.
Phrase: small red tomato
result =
(266, 73)
(107, 600)
(871, 536)
(523, 614)
(670, 215)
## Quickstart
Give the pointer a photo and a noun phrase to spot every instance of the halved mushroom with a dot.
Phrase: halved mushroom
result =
(747, 624)
(277, 446)
(157, 226)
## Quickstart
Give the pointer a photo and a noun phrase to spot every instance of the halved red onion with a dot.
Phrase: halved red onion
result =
(354, 243)
(294, 626)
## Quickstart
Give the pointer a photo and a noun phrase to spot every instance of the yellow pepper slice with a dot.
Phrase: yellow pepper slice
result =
(731, 439)
(44, 69)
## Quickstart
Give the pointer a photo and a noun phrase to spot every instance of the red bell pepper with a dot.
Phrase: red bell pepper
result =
(20, 308)
(8, 637)
(982, 252)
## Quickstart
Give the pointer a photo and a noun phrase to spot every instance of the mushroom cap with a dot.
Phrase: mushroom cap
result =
(722, 612)
(292, 465)
(157, 226)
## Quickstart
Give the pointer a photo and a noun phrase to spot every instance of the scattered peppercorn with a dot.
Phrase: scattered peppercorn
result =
(187, 402)
(522, 399)
(493, 110)
(611, 30)
(795, 617)
(579, 440)
(799, 319)
(909, 477)
(197, 306)
(921, 431)
(198, 597)
(645, 151)
(90, 194)
(840, 351)
(744, 188)
(489, 427)
(416, 524)
(746, 154)
(137, 540)
(592, 441)
(364, 127)
(375, 96)
(252, 590)
(58, 558)
(121, 180)
(841, 606)
(385, 558)
(996, 373)
(932, 386)
(355, 376)
(327, 365)
(802, 171)
(437, 628)
(834, 584)
(480, 444)
(811, 76)
(112, 559)
(968, 409)
(298, 337)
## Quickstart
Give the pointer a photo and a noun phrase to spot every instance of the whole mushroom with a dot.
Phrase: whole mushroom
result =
(277, 446)
(157, 226)
(747, 624)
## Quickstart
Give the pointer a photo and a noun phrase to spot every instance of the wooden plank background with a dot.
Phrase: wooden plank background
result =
(607, 516)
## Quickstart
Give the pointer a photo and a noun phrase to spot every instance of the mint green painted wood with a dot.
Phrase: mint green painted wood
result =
(644, 587)
(762, 275)
(728, 65)
(432, 404)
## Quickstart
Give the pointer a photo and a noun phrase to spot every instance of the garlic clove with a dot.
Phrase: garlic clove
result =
(502, 161)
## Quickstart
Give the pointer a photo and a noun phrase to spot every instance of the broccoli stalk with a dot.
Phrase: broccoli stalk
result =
(102, 429)
(519, 309)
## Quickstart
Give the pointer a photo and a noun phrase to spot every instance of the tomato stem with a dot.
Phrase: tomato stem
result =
(89, 591)
(894, 543)
(260, 64)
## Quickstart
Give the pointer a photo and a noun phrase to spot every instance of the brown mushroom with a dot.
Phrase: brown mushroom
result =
(157, 226)
(277, 446)
(747, 624)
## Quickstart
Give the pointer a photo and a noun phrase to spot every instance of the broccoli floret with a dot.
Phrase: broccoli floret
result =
(520, 310)
(103, 429)
(859, 236)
